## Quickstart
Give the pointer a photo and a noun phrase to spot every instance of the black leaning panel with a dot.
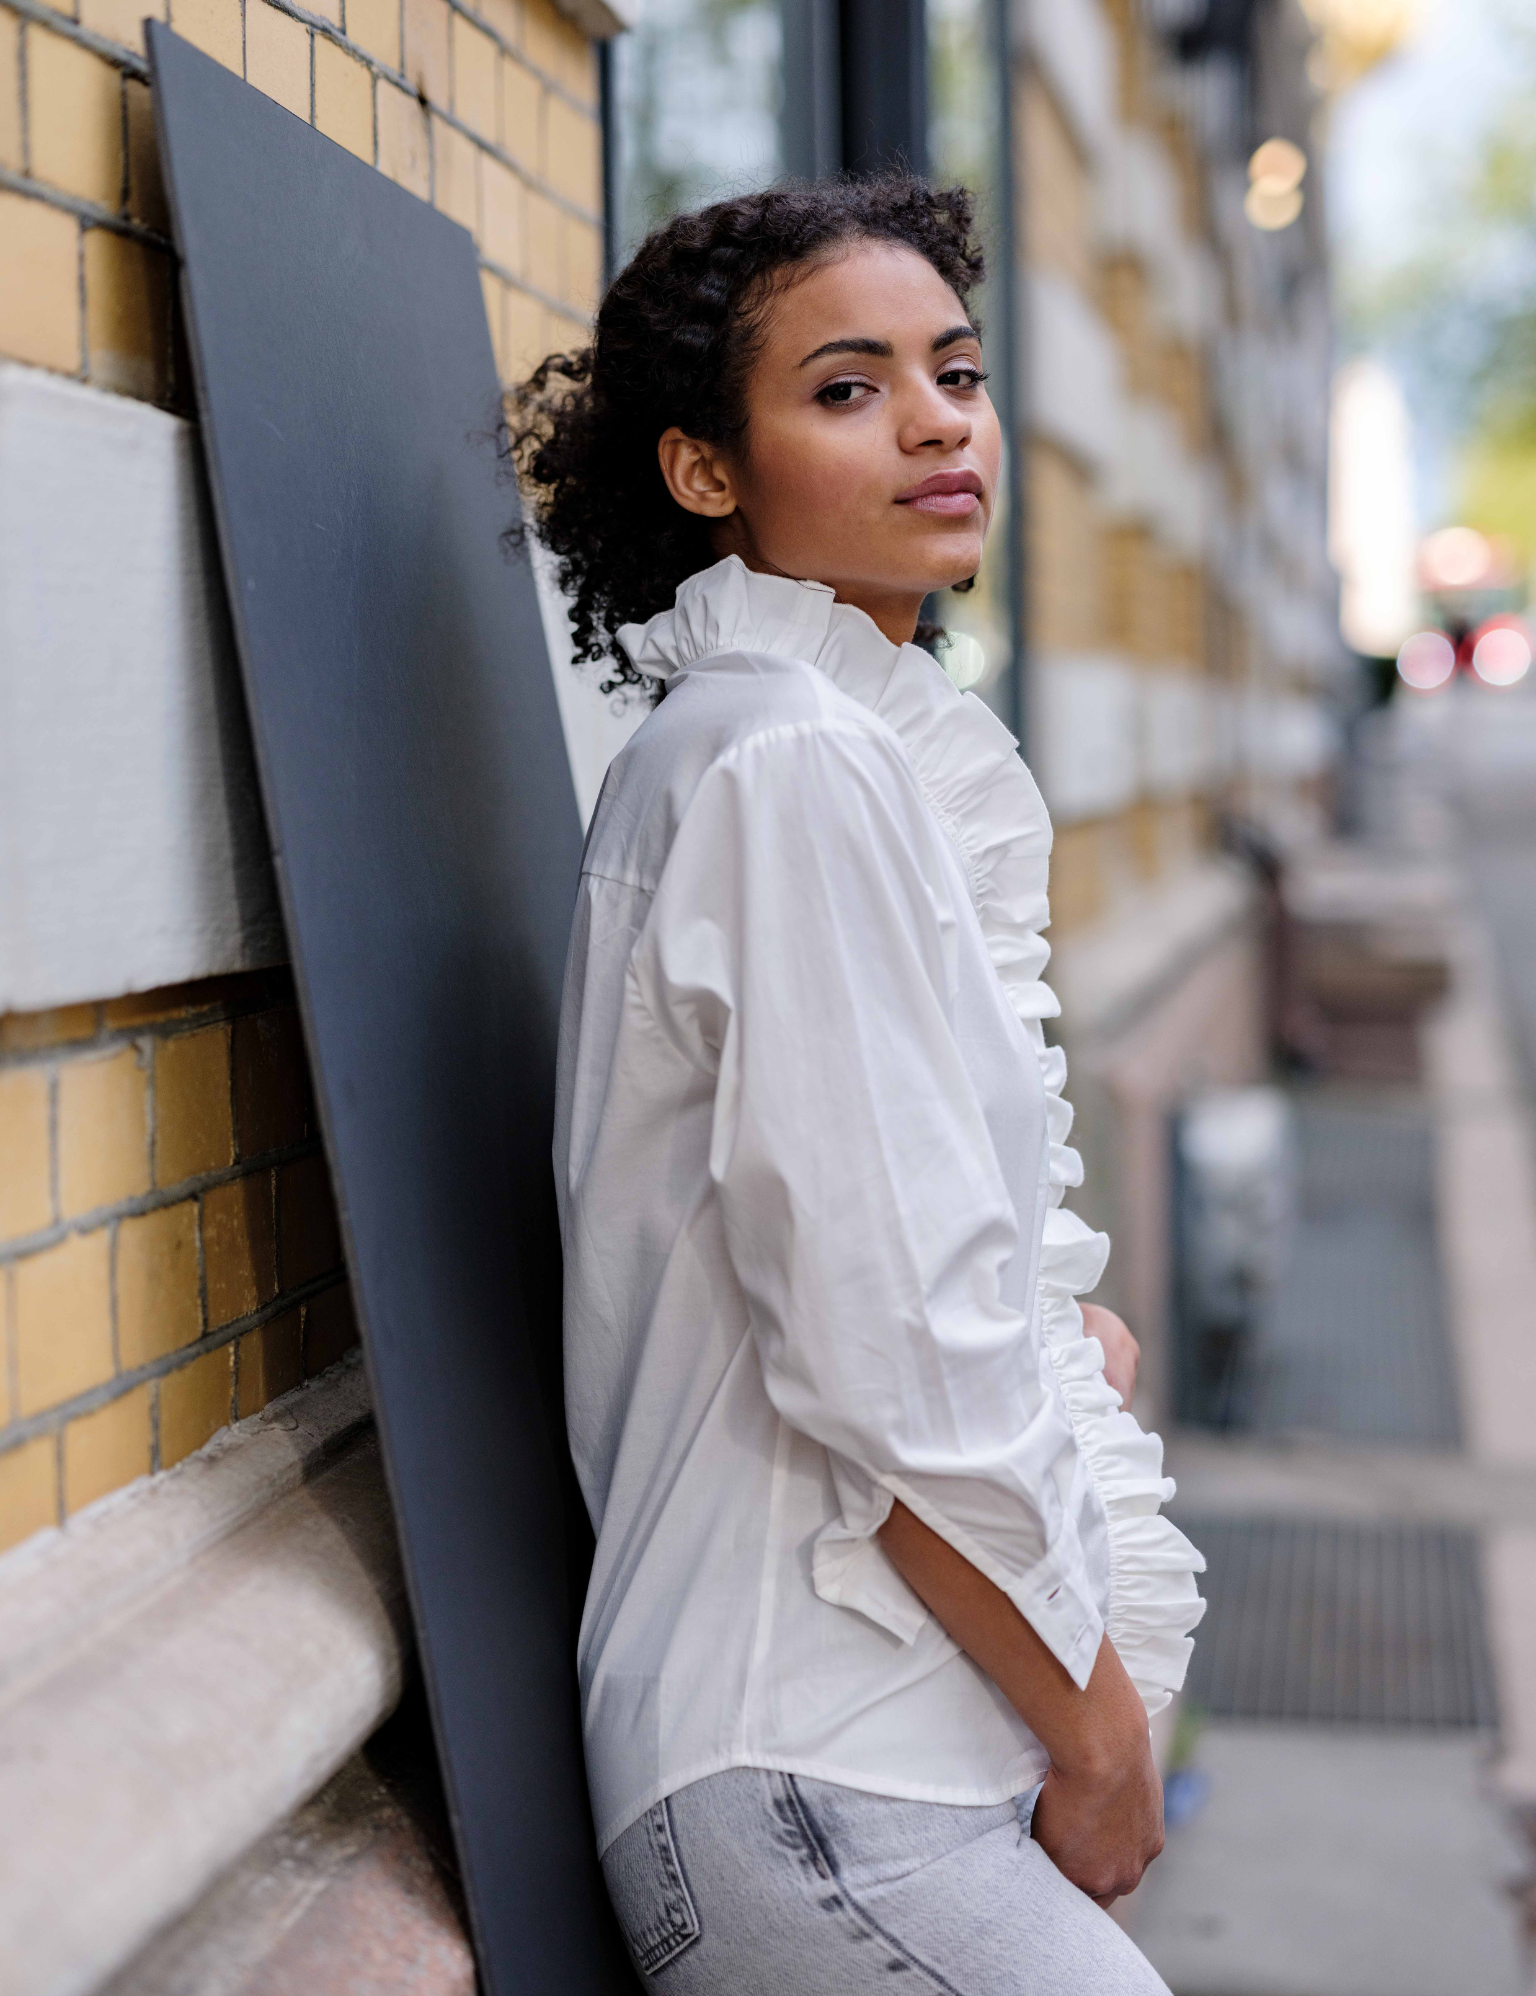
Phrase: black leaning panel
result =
(427, 845)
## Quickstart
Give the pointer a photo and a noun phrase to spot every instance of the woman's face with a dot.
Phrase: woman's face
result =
(871, 454)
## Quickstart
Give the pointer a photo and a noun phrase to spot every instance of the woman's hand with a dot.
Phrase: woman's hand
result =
(1122, 1354)
(1099, 1817)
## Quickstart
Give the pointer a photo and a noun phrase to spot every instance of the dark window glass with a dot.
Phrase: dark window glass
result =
(967, 143)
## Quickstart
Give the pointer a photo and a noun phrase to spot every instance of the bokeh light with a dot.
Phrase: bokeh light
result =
(1426, 661)
(1502, 655)
(1270, 207)
(1455, 558)
(1275, 172)
(1278, 164)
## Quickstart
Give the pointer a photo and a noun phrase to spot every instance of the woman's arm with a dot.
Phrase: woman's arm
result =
(1100, 1814)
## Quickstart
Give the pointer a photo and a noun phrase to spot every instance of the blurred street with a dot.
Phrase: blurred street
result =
(1358, 1751)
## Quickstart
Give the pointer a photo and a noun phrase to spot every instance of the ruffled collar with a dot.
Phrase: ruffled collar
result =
(965, 760)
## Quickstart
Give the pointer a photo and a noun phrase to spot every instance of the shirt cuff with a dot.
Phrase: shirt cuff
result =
(1054, 1602)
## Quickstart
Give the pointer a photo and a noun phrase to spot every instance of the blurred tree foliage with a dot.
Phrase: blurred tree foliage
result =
(1459, 315)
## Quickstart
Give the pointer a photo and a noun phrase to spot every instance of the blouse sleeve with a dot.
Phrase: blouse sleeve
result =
(802, 946)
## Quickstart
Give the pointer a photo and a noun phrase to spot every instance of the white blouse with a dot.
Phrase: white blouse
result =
(810, 1152)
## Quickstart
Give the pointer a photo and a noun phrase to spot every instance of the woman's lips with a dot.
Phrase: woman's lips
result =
(947, 495)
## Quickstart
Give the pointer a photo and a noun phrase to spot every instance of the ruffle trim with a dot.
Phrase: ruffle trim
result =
(981, 792)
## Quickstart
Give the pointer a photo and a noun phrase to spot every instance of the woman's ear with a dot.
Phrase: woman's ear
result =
(696, 475)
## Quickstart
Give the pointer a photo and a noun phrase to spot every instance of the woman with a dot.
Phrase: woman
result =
(881, 1597)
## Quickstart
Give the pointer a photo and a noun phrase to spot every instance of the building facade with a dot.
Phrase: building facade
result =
(1156, 618)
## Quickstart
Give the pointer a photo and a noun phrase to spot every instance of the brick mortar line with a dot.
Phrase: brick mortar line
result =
(110, 51)
(156, 1199)
(561, 305)
(195, 1019)
(53, 1420)
(85, 211)
(567, 96)
(321, 26)
(124, 59)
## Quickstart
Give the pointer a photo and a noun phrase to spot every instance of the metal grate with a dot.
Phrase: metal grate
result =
(1360, 1624)
(1354, 1343)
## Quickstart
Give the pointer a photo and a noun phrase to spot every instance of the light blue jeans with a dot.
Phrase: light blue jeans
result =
(759, 1884)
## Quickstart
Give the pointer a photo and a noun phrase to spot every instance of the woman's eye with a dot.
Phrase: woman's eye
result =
(839, 394)
(962, 377)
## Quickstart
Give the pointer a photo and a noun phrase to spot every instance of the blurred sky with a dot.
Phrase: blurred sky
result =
(1401, 134)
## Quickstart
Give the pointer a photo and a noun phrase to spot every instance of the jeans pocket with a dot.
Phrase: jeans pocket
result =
(650, 1894)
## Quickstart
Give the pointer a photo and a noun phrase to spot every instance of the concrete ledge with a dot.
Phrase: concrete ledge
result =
(1107, 974)
(168, 1700)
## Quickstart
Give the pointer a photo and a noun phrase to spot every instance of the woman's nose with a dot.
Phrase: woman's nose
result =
(932, 422)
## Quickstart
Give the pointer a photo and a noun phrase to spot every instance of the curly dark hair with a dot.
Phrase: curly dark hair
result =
(675, 339)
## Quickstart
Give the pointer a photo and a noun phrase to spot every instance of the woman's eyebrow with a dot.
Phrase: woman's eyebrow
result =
(881, 349)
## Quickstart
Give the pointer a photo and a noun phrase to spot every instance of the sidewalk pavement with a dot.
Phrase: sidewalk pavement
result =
(1355, 1861)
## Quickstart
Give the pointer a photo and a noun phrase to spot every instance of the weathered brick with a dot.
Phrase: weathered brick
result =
(103, 1108)
(75, 118)
(308, 1238)
(270, 1362)
(61, 1321)
(526, 345)
(581, 263)
(343, 99)
(1078, 886)
(35, 1032)
(195, 1404)
(559, 48)
(522, 114)
(194, 1131)
(572, 161)
(330, 1329)
(405, 140)
(456, 175)
(26, 1200)
(29, 1490)
(503, 18)
(501, 215)
(375, 26)
(271, 1081)
(157, 1302)
(543, 255)
(10, 92)
(121, 21)
(215, 26)
(146, 187)
(127, 316)
(105, 1450)
(277, 58)
(39, 285)
(239, 1247)
(426, 50)
(475, 61)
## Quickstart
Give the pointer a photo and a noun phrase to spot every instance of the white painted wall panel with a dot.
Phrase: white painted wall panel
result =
(1074, 46)
(1178, 746)
(132, 847)
(133, 852)
(1074, 369)
(1083, 717)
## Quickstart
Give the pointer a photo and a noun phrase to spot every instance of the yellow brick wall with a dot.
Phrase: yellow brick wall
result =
(1055, 196)
(169, 1252)
(1065, 553)
(169, 1258)
(490, 114)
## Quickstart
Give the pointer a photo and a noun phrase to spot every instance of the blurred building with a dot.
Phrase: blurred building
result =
(1156, 618)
